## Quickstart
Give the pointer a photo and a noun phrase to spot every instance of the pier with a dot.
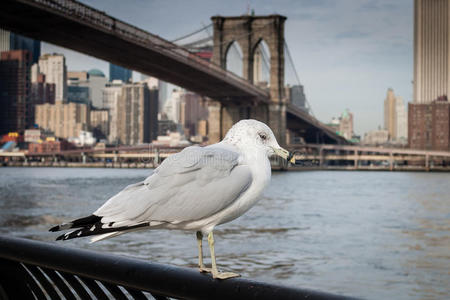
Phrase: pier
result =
(308, 157)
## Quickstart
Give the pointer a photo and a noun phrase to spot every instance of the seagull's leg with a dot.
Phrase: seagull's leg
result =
(201, 266)
(215, 271)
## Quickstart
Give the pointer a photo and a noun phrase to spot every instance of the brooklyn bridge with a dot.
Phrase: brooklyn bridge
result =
(230, 97)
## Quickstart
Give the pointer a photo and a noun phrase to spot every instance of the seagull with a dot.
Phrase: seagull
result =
(195, 189)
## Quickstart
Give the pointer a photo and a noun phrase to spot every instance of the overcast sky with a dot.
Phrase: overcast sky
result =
(347, 52)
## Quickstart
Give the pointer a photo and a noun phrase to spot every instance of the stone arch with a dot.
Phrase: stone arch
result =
(260, 61)
(234, 51)
(248, 31)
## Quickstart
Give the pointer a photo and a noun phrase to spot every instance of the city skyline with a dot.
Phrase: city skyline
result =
(354, 56)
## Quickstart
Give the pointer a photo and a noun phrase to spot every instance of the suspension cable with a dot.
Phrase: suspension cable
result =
(291, 62)
(192, 33)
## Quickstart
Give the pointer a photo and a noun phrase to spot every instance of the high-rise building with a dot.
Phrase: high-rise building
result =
(13, 41)
(395, 118)
(431, 50)
(111, 96)
(86, 87)
(402, 120)
(78, 87)
(137, 114)
(14, 91)
(53, 66)
(41, 92)
(119, 73)
(390, 120)
(97, 82)
(100, 123)
(192, 109)
(65, 120)
(296, 96)
(171, 109)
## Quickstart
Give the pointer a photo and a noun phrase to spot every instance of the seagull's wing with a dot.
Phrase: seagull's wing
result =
(190, 185)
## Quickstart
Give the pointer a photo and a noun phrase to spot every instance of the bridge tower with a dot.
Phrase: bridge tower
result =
(249, 32)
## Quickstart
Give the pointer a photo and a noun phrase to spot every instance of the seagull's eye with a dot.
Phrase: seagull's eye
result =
(263, 136)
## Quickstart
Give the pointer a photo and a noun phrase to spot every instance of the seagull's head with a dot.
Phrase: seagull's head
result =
(252, 135)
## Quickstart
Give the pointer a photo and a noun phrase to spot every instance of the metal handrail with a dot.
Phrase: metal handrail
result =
(39, 268)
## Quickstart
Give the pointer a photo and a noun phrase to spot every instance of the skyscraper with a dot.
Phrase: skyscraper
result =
(431, 50)
(53, 66)
(390, 120)
(428, 116)
(14, 90)
(119, 73)
(137, 111)
(111, 96)
(13, 41)
(395, 120)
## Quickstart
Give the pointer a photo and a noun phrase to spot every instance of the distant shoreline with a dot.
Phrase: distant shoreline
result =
(151, 165)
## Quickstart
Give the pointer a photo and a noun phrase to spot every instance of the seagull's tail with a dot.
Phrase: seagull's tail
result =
(82, 222)
(92, 225)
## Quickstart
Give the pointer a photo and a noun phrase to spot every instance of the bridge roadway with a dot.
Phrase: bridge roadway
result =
(82, 28)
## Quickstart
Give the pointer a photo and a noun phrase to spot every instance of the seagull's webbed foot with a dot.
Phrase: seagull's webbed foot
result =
(224, 275)
(204, 269)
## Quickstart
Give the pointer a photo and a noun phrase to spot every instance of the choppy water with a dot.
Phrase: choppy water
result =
(366, 234)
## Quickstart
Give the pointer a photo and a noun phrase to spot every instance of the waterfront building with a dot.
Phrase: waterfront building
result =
(53, 66)
(13, 41)
(65, 120)
(376, 137)
(137, 111)
(429, 125)
(119, 73)
(346, 124)
(14, 91)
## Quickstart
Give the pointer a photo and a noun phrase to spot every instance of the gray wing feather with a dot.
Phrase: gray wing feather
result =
(190, 185)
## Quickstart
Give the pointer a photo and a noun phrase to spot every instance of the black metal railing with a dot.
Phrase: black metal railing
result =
(37, 270)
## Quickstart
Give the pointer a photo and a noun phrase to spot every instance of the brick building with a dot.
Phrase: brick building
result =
(50, 146)
(429, 125)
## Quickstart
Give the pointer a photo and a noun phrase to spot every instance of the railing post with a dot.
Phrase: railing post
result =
(321, 158)
(356, 161)
(391, 161)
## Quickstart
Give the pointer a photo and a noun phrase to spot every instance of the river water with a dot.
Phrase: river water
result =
(365, 234)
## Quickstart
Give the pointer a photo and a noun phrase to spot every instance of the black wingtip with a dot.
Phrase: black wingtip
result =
(55, 228)
(60, 238)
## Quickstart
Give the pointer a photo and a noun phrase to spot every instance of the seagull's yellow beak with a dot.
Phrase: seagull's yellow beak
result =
(283, 153)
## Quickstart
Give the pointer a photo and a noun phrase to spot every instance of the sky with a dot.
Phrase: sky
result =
(347, 52)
